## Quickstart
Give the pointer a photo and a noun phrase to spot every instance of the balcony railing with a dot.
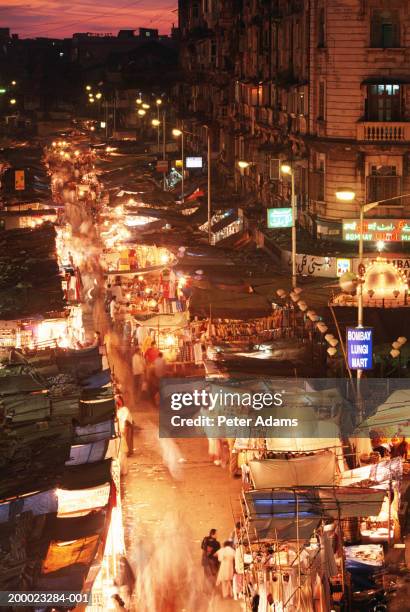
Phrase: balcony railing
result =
(379, 131)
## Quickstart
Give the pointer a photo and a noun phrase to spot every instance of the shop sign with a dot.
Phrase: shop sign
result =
(342, 266)
(193, 162)
(359, 341)
(19, 180)
(162, 165)
(386, 230)
(279, 217)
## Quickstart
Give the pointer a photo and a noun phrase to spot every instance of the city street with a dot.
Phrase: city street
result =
(204, 306)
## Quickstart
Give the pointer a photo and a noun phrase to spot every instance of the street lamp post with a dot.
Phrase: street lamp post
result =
(209, 153)
(348, 195)
(158, 103)
(288, 170)
(181, 132)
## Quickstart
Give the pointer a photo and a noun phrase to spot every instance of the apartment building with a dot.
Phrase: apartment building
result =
(324, 84)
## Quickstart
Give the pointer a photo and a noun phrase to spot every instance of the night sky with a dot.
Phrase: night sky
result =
(60, 18)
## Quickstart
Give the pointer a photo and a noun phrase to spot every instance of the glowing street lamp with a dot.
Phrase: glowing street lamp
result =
(14, 83)
(13, 101)
(287, 169)
(146, 106)
(243, 165)
(98, 96)
(177, 133)
(138, 101)
(88, 87)
(141, 112)
(156, 122)
(158, 101)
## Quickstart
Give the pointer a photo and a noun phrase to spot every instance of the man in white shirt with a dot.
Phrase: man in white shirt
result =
(138, 369)
(113, 308)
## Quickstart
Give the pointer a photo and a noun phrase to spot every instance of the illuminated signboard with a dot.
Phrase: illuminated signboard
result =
(342, 266)
(193, 162)
(387, 230)
(279, 217)
(19, 180)
(360, 348)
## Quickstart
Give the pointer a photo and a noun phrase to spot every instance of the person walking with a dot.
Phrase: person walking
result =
(210, 546)
(138, 369)
(226, 558)
(126, 424)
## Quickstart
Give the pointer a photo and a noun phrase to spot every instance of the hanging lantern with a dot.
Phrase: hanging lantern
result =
(329, 337)
(331, 351)
(394, 353)
(396, 345)
(401, 340)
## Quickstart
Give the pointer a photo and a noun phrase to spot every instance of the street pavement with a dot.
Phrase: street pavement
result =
(198, 497)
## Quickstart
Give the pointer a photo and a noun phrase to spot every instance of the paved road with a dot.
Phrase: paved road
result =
(173, 513)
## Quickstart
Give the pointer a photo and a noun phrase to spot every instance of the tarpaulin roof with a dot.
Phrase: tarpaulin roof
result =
(382, 472)
(228, 305)
(283, 512)
(72, 528)
(80, 477)
(391, 417)
(94, 432)
(97, 380)
(166, 321)
(314, 470)
(63, 554)
(301, 445)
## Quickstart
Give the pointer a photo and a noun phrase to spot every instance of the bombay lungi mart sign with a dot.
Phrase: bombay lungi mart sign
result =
(279, 217)
(387, 230)
(359, 342)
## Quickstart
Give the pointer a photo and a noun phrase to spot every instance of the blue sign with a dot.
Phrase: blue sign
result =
(360, 348)
(279, 217)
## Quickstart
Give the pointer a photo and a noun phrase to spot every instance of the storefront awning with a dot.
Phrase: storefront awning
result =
(229, 218)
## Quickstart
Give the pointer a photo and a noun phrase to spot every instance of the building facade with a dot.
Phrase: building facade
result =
(322, 84)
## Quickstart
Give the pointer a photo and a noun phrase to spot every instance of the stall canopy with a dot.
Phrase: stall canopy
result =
(380, 473)
(391, 417)
(314, 470)
(294, 513)
(228, 305)
(166, 321)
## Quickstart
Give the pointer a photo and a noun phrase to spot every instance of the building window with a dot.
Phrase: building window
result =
(383, 183)
(321, 28)
(385, 29)
(321, 101)
(384, 103)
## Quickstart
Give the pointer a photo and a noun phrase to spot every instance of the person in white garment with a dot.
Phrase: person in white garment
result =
(138, 369)
(226, 558)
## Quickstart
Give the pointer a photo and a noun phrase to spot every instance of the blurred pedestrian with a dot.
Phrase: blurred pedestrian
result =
(138, 369)
(210, 563)
(126, 424)
(226, 558)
